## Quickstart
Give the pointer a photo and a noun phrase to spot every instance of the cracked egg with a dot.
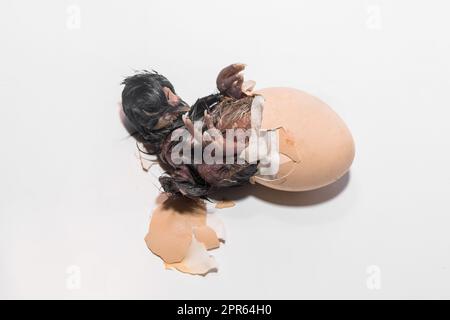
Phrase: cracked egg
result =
(315, 146)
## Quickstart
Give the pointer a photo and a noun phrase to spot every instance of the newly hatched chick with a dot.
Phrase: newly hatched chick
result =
(152, 106)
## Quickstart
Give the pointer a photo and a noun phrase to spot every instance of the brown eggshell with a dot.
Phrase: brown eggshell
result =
(317, 142)
(173, 224)
(225, 204)
(197, 260)
(169, 236)
(207, 236)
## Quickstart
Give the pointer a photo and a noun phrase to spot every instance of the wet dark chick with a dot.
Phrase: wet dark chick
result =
(200, 180)
(156, 118)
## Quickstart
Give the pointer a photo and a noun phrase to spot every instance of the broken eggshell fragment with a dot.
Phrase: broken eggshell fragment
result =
(179, 233)
(224, 204)
(197, 260)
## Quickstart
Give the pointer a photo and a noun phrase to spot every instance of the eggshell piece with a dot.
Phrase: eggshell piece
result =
(181, 232)
(317, 141)
(169, 237)
(197, 260)
(171, 228)
(207, 236)
(224, 204)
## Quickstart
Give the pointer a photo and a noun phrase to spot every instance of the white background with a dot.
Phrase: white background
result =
(72, 192)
